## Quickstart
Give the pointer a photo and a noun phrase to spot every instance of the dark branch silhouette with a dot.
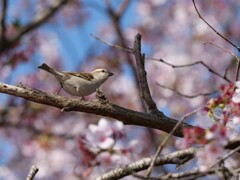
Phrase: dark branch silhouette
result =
(234, 56)
(186, 95)
(192, 64)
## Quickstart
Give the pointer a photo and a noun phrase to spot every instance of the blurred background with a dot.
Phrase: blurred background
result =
(66, 145)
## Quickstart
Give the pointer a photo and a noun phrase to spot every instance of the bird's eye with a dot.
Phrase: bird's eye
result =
(103, 70)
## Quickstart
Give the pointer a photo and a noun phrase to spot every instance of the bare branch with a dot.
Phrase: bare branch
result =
(234, 45)
(140, 61)
(123, 7)
(127, 116)
(173, 158)
(32, 173)
(186, 95)
(234, 56)
(193, 64)
(129, 50)
(160, 147)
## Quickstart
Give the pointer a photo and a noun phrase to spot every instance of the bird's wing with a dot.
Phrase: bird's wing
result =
(86, 76)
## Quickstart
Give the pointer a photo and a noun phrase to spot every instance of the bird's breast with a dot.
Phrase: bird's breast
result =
(80, 87)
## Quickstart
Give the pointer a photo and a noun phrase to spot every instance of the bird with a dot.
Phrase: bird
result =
(78, 83)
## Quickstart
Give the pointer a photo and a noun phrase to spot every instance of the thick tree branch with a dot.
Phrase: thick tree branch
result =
(177, 158)
(127, 116)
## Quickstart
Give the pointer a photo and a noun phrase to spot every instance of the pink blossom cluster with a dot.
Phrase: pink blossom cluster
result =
(224, 114)
(106, 145)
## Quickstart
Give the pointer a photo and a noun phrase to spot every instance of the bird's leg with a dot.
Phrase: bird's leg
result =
(82, 98)
(21, 85)
(60, 88)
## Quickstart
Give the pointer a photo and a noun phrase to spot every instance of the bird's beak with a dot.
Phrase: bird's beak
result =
(110, 74)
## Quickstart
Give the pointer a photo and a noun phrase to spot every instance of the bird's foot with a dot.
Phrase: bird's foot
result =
(83, 98)
(21, 85)
(101, 96)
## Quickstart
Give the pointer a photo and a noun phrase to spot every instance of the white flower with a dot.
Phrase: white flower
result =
(103, 135)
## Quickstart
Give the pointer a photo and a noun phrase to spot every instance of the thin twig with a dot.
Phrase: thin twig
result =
(238, 48)
(226, 71)
(186, 95)
(160, 147)
(234, 56)
(32, 173)
(123, 7)
(129, 50)
(192, 64)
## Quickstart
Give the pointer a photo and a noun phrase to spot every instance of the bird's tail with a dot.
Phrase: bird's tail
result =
(47, 68)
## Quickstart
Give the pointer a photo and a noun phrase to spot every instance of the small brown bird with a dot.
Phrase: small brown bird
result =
(79, 83)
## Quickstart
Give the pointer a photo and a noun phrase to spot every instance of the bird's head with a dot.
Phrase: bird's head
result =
(101, 74)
